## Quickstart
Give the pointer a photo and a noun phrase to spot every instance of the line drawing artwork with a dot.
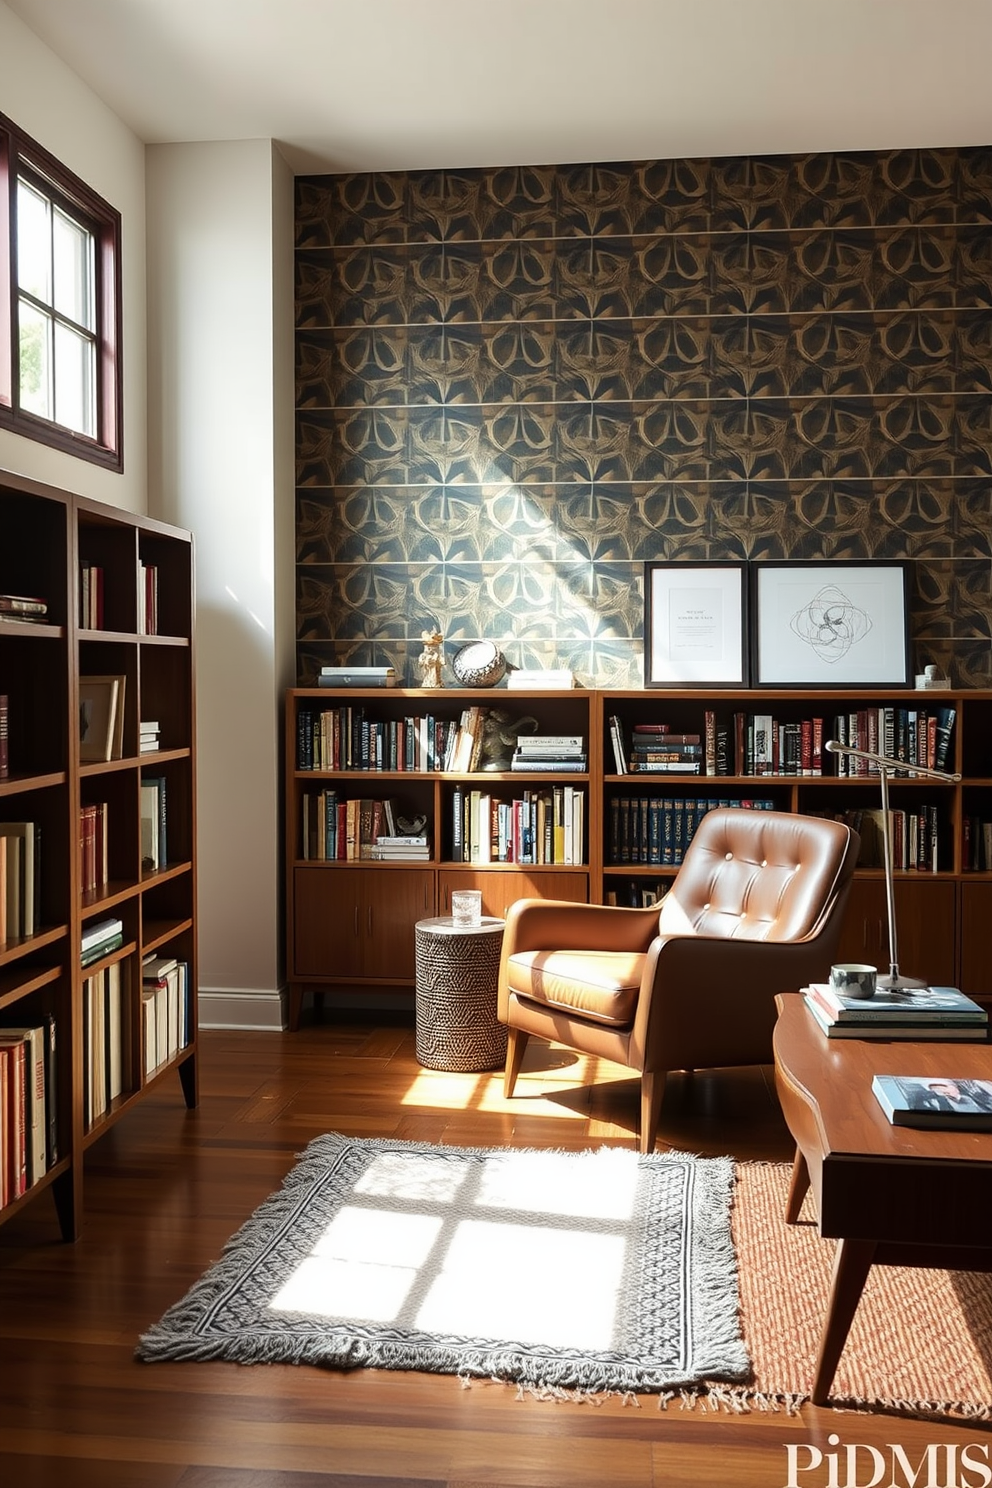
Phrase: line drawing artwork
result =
(831, 623)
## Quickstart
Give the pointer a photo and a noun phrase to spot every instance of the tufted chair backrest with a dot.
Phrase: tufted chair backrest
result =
(758, 875)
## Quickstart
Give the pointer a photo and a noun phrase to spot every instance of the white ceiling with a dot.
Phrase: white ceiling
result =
(414, 84)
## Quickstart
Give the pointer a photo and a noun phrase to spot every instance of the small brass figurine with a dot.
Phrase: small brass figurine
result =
(430, 661)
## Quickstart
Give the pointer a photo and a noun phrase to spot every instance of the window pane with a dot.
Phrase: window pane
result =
(35, 360)
(75, 380)
(34, 243)
(73, 259)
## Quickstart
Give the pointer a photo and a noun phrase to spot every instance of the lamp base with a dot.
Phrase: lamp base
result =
(893, 982)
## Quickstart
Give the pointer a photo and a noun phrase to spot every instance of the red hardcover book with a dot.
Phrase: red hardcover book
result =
(817, 746)
(15, 1123)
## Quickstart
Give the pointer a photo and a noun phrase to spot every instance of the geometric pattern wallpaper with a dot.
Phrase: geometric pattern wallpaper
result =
(515, 386)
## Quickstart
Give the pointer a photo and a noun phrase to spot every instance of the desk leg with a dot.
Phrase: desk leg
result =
(852, 1262)
(797, 1189)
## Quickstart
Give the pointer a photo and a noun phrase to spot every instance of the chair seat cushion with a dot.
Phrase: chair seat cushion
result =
(599, 985)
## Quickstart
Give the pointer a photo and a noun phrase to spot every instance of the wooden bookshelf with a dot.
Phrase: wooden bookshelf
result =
(47, 538)
(350, 922)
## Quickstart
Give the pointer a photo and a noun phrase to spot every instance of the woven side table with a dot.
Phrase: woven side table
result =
(457, 968)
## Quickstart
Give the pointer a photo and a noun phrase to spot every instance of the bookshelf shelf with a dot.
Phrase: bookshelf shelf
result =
(943, 905)
(85, 561)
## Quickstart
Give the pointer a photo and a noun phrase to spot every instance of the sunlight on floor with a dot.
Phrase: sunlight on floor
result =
(440, 1246)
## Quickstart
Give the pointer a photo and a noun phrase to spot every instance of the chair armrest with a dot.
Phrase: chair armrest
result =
(562, 924)
(734, 983)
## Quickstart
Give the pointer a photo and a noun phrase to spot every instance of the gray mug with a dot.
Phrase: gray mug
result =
(852, 979)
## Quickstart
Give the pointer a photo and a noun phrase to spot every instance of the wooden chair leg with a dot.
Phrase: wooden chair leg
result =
(516, 1043)
(652, 1090)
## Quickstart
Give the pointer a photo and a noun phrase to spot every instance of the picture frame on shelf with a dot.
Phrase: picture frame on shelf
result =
(696, 624)
(101, 718)
(831, 624)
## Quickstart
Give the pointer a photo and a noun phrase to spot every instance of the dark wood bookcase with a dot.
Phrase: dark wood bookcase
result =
(46, 535)
(350, 923)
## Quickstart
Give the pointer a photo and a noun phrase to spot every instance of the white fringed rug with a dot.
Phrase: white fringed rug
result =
(600, 1270)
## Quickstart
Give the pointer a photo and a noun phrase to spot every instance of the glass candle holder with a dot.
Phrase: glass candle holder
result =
(466, 907)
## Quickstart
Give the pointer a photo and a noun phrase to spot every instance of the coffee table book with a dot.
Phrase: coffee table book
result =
(934, 1005)
(922, 1032)
(899, 1097)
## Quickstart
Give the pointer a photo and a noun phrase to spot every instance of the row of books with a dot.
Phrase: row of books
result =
(165, 1009)
(93, 845)
(976, 852)
(656, 829)
(919, 736)
(745, 744)
(761, 744)
(339, 829)
(28, 1106)
(916, 836)
(928, 1015)
(106, 1040)
(20, 879)
(107, 1027)
(90, 595)
(539, 827)
(635, 893)
(346, 738)
(4, 736)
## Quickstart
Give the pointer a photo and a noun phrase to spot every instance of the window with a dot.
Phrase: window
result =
(60, 375)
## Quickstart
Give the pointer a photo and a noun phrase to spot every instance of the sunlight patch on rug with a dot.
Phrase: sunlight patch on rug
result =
(600, 1270)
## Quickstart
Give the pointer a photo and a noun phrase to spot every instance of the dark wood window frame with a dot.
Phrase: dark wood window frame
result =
(19, 154)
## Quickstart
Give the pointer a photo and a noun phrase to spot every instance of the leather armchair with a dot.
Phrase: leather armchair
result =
(756, 908)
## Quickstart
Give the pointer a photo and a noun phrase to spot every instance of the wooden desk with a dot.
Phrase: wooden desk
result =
(889, 1195)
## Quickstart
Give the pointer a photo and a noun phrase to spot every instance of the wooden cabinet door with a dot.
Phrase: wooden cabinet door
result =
(500, 889)
(358, 924)
(392, 901)
(327, 920)
(924, 928)
(976, 941)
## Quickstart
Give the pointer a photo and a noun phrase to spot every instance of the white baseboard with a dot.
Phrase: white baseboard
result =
(267, 1011)
(263, 1011)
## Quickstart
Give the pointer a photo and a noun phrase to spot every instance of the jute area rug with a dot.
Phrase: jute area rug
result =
(590, 1271)
(920, 1343)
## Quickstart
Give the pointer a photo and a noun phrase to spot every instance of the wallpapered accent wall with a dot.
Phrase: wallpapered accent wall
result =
(516, 385)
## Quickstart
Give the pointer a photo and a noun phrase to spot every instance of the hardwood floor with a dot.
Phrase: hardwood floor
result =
(166, 1188)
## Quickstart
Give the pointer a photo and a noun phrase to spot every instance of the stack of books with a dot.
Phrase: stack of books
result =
(362, 676)
(550, 752)
(99, 939)
(148, 734)
(937, 1013)
(551, 679)
(399, 849)
(24, 608)
(655, 750)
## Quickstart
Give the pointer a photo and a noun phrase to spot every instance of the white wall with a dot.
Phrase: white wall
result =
(49, 102)
(220, 310)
